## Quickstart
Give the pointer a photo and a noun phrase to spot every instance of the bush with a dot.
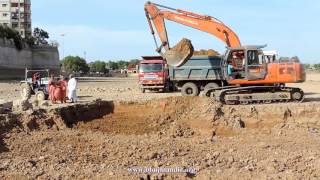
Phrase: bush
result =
(75, 64)
(98, 66)
(9, 33)
(316, 67)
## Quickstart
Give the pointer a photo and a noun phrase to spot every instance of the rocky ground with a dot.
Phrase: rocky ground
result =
(129, 131)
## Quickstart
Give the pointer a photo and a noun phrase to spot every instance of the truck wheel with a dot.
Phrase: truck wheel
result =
(190, 89)
(211, 86)
(208, 87)
(25, 91)
(143, 90)
(162, 90)
(40, 96)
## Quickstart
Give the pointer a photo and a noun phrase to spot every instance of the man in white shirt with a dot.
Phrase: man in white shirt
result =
(72, 89)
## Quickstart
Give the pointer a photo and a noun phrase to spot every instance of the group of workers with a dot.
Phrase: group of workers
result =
(62, 89)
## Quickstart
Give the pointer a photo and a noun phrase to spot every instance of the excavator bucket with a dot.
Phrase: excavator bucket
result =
(179, 54)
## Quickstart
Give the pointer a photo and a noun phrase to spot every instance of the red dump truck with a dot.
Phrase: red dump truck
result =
(153, 74)
(199, 73)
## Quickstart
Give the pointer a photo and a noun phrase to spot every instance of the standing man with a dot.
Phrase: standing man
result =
(35, 79)
(51, 87)
(72, 89)
(63, 84)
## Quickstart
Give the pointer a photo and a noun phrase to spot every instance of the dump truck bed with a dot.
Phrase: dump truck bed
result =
(198, 68)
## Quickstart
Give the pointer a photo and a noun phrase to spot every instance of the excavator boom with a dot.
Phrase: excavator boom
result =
(156, 18)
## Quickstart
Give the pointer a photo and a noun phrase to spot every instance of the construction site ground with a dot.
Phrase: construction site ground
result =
(127, 131)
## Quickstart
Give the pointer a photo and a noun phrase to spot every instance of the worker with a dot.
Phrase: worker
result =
(51, 88)
(35, 79)
(57, 94)
(72, 89)
(55, 91)
(230, 69)
(63, 84)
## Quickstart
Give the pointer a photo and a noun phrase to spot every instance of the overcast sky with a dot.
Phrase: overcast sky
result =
(114, 30)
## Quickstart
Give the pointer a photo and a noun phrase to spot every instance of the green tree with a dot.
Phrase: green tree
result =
(123, 64)
(98, 66)
(307, 66)
(9, 33)
(316, 66)
(113, 65)
(134, 61)
(75, 64)
(40, 36)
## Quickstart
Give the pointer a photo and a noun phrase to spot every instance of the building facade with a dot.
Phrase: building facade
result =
(17, 15)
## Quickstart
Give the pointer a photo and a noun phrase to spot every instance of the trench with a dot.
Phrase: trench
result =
(175, 116)
(186, 117)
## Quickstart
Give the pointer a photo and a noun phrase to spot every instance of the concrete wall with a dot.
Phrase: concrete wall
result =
(13, 62)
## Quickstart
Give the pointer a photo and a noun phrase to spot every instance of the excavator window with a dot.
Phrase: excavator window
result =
(256, 67)
(252, 68)
(253, 58)
(237, 61)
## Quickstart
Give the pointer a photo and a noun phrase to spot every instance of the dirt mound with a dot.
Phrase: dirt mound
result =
(184, 46)
(179, 54)
(209, 52)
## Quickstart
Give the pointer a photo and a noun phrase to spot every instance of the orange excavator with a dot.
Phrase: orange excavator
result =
(249, 76)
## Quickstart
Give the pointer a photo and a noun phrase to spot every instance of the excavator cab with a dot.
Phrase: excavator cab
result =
(245, 63)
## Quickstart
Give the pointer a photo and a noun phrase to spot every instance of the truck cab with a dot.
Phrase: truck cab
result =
(153, 73)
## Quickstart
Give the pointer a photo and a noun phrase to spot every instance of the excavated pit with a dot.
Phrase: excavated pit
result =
(187, 117)
(104, 139)
(176, 116)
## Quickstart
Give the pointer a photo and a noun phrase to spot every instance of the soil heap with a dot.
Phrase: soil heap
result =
(203, 52)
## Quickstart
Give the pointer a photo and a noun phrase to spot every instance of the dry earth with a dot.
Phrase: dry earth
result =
(103, 139)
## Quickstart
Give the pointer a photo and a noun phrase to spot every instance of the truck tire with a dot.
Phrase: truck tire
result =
(190, 89)
(166, 88)
(25, 91)
(143, 90)
(211, 85)
(208, 87)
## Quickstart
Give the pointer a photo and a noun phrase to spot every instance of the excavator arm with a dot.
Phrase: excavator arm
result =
(156, 18)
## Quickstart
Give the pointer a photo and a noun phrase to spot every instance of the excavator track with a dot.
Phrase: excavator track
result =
(233, 95)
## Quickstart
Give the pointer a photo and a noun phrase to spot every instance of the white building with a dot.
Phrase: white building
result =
(17, 15)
